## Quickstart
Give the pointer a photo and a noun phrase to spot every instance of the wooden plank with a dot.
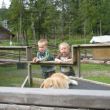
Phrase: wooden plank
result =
(30, 107)
(74, 55)
(52, 63)
(39, 63)
(29, 75)
(78, 63)
(85, 46)
(76, 59)
(14, 47)
(56, 97)
(25, 81)
(29, 53)
(104, 45)
(28, 50)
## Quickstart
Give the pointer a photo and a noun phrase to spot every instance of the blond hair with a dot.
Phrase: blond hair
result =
(43, 41)
(64, 44)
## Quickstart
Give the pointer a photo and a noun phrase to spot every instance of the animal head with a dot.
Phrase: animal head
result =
(57, 80)
(49, 83)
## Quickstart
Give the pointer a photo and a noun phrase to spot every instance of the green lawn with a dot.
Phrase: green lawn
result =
(95, 67)
(11, 76)
(97, 72)
(104, 79)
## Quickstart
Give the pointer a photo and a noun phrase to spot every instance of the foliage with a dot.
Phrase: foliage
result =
(34, 19)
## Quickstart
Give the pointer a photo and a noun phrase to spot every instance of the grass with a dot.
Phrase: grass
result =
(11, 76)
(95, 67)
(96, 72)
(103, 79)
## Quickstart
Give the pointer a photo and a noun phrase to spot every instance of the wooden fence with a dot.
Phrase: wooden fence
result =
(52, 99)
(76, 56)
(26, 49)
(77, 52)
(12, 98)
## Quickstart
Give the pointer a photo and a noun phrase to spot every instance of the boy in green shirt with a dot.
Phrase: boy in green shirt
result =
(43, 54)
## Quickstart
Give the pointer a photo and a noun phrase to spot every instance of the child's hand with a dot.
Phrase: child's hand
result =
(35, 60)
(58, 60)
(68, 60)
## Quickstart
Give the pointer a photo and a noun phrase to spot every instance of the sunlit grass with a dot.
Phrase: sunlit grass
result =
(103, 79)
(95, 67)
(97, 72)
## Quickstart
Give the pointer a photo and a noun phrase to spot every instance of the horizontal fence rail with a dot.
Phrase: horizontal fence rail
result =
(27, 49)
(68, 98)
(77, 52)
(55, 97)
(106, 45)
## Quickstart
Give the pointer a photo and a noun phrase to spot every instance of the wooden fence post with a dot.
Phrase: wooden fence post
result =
(29, 53)
(30, 74)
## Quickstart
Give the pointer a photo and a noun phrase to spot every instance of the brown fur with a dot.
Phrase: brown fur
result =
(57, 80)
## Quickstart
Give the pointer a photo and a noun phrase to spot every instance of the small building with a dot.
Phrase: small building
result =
(5, 34)
(102, 53)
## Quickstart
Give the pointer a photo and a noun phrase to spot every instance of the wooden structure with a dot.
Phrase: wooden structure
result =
(78, 48)
(52, 99)
(30, 63)
(75, 54)
(55, 99)
(101, 54)
(27, 49)
(5, 33)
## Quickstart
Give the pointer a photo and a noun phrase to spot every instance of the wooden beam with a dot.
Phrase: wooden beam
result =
(104, 45)
(56, 97)
(30, 75)
(24, 82)
(31, 107)
(13, 47)
(27, 49)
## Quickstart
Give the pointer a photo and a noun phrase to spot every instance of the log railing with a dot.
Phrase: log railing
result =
(27, 49)
(77, 52)
(75, 56)
(53, 99)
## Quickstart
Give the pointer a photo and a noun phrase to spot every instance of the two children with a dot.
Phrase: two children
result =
(64, 55)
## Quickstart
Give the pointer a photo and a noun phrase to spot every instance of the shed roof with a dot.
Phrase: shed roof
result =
(100, 39)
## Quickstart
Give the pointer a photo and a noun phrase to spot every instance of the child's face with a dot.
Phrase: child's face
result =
(64, 50)
(42, 47)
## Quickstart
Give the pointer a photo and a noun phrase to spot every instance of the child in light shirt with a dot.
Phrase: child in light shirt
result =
(65, 56)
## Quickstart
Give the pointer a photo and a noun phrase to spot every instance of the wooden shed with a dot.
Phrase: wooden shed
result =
(5, 33)
(101, 53)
